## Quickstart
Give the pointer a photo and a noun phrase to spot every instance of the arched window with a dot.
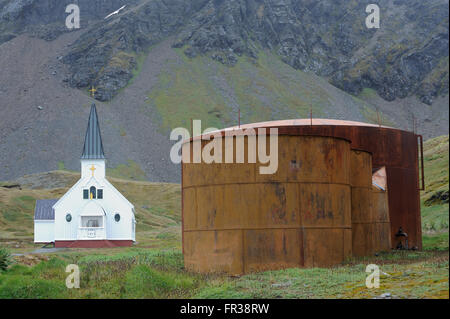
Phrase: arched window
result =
(93, 193)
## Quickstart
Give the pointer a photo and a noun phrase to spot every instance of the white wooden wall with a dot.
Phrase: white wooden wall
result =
(44, 231)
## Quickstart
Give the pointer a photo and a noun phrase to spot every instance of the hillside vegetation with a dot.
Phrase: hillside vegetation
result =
(434, 200)
(262, 89)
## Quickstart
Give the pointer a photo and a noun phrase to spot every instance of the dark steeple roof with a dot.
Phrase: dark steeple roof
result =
(93, 146)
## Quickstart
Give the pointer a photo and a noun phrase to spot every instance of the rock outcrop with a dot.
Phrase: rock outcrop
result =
(407, 55)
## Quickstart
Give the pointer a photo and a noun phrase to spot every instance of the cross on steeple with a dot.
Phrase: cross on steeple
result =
(93, 90)
(92, 169)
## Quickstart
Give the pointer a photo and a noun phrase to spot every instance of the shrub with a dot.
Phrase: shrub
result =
(18, 269)
(5, 259)
(26, 287)
(144, 282)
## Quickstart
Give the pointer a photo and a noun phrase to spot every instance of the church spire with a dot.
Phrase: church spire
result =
(93, 146)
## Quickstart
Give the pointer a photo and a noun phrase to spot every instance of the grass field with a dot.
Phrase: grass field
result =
(435, 210)
(153, 268)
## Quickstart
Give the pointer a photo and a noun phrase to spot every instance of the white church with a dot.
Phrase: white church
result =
(93, 213)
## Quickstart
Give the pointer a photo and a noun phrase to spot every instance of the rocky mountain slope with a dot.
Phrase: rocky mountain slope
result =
(158, 63)
(407, 55)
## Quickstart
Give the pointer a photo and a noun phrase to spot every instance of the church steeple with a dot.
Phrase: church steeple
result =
(93, 146)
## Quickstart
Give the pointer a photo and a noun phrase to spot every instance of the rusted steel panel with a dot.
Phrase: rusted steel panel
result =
(238, 205)
(361, 169)
(362, 205)
(189, 209)
(363, 239)
(325, 247)
(210, 208)
(325, 205)
(310, 159)
(276, 205)
(404, 205)
(214, 251)
(363, 222)
(348, 247)
(218, 173)
(270, 249)
(380, 205)
(382, 233)
(382, 224)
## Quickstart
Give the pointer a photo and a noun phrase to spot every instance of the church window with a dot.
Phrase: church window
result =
(91, 221)
(117, 217)
(93, 192)
(100, 193)
(69, 218)
(85, 193)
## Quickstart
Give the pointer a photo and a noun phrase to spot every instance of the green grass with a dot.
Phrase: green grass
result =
(131, 171)
(435, 213)
(436, 163)
(435, 217)
(184, 92)
(436, 241)
(400, 273)
(151, 273)
(374, 117)
(129, 274)
(142, 281)
(25, 287)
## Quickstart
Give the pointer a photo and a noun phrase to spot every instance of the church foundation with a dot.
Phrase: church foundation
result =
(92, 243)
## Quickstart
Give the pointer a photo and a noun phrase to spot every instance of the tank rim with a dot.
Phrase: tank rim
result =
(295, 123)
(280, 134)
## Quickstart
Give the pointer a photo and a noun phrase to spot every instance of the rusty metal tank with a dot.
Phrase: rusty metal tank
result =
(395, 149)
(236, 220)
(363, 221)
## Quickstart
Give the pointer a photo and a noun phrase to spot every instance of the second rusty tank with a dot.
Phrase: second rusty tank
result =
(363, 228)
(380, 211)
